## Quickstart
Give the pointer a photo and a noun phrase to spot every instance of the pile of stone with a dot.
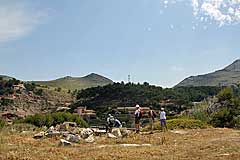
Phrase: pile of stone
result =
(73, 134)
(63, 129)
(118, 133)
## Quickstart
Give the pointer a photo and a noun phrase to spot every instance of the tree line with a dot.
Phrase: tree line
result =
(121, 94)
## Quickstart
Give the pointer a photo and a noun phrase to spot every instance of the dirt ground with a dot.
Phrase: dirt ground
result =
(209, 144)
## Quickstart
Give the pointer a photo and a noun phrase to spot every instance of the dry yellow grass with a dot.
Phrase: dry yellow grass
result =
(208, 144)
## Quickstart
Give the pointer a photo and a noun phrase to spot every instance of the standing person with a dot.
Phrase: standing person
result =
(138, 116)
(151, 116)
(163, 120)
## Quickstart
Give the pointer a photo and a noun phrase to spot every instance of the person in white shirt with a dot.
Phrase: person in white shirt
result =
(163, 120)
(112, 122)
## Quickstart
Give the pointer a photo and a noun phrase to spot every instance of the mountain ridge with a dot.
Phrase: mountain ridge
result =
(226, 76)
(72, 83)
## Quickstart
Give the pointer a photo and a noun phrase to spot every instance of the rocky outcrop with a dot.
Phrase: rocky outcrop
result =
(27, 103)
(216, 106)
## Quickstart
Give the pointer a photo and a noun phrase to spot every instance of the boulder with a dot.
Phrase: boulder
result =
(125, 132)
(53, 134)
(85, 133)
(110, 135)
(99, 132)
(74, 130)
(39, 135)
(73, 138)
(116, 132)
(90, 139)
(67, 126)
(64, 133)
(51, 129)
(64, 143)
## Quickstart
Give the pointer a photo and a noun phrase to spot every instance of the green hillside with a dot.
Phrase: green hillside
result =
(72, 83)
(227, 76)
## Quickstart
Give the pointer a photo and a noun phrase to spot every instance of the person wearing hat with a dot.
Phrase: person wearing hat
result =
(138, 116)
(163, 120)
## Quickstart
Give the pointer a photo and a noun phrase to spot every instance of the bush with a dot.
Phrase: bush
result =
(6, 102)
(200, 115)
(229, 114)
(38, 92)
(225, 118)
(181, 123)
(225, 94)
(2, 123)
(30, 86)
(52, 119)
(58, 89)
(237, 122)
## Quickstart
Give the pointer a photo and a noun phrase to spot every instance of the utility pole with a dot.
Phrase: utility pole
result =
(129, 78)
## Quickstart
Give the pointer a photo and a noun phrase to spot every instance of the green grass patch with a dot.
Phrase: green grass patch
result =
(186, 124)
(52, 119)
(180, 123)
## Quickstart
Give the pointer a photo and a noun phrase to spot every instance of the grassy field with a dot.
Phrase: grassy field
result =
(186, 144)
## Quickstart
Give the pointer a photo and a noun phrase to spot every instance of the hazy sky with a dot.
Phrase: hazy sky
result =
(158, 41)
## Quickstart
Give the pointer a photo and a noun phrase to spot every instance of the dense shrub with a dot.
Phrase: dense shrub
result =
(229, 115)
(226, 117)
(6, 102)
(225, 110)
(38, 92)
(30, 86)
(225, 94)
(52, 119)
(6, 86)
